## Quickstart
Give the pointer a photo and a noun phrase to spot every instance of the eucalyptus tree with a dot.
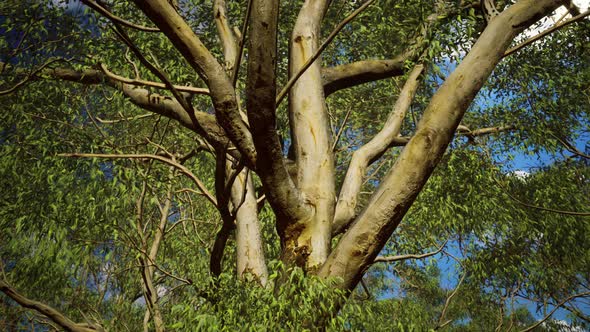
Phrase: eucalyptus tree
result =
(211, 109)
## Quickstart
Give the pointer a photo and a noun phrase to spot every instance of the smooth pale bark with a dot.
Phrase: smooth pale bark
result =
(365, 155)
(202, 61)
(371, 230)
(226, 35)
(250, 259)
(250, 255)
(307, 242)
(281, 192)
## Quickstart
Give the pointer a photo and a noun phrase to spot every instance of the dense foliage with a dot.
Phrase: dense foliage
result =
(506, 247)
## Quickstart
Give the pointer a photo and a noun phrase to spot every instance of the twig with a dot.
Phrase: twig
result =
(442, 324)
(341, 129)
(30, 76)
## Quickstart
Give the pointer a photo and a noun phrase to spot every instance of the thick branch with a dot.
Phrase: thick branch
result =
(363, 157)
(282, 194)
(397, 191)
(55, 316)
(203, 62)
(352, 74)
(225, 33)
(319, 51)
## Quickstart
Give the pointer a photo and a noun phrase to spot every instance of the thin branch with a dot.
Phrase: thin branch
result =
(241, 44)
(104, 12)
(571, 148)
(319, 51)
(389, 259)
(546, 32)
(168, 161)
(569, 213)
(559, 305)
(442, 324)
(143, 116)
(105, 70)
(341, 129)
(29, 77)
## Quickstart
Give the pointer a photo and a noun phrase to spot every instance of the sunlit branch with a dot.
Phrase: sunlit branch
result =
(371, 151)
(165, 160)
(103, 11)
(397, 258)
(319, 51)
(546, 32)
(133, 118)
(141, 82)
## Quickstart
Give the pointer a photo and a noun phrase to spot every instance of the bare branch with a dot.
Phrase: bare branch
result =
(165, 160)
(282, 193)
(570, 147)
(138, 117)
(204, 63)
(103, 11)
(442, 324)
(44, 309)
(228, 43)
(559, 305)
(241, 43)
(389, 259)
(130, 81)
(352, 74)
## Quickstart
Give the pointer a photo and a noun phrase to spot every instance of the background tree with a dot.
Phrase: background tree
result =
(142, 141)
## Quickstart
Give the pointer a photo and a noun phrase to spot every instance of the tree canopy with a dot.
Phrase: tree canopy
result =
(294, 165)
